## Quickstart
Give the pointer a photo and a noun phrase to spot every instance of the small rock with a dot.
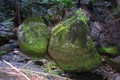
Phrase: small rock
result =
(9, 47)
(102, 4)
(117, 78)
(15, 57)
(12, 41)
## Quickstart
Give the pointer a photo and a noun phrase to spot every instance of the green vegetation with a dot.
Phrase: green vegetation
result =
(51, 68)
(109, 50)
(2, 52)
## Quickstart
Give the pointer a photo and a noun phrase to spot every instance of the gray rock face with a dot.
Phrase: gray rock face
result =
(6, 32)
(115, 32)
(9, 47)
(104, 38)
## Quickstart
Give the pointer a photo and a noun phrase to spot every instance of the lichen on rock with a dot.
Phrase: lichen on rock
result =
(71, 46)
(33, 36)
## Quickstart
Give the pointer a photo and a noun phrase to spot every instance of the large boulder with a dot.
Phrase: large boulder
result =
(33, 36)
(71, 47)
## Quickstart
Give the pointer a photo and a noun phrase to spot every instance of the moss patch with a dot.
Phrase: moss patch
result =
(52, 68)
(2, 52)
(109, 50)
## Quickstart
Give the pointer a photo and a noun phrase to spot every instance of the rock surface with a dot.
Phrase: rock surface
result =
(115, 31)
(71, 46)
(103, 39)
(6, 32)
(33, 36)
(9, 47)
(114, 63)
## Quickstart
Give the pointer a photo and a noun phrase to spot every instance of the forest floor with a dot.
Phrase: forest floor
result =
(15, 65)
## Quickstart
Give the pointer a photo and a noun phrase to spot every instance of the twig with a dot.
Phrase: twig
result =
(38, 73)
(16, 69)
(48, 75)
(26, 64)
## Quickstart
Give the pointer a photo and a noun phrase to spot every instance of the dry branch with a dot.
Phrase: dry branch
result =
(40, 74)
(16, 69)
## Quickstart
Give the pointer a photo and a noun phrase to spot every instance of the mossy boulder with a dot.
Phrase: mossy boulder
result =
(71, 46)
(33, 36)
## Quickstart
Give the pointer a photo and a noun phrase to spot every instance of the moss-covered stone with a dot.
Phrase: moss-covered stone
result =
(71, 46)
(33, 36)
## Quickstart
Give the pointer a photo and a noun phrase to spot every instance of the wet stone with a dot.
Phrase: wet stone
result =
(15, 56)
(6, 32)
(9, 47)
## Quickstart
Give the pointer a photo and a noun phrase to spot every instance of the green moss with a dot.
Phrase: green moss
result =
(109, 50)
(33, 37)
(79, 16)
(2, 52)
(52, 68)
(33, 19)
(112, 50)
(71, 46)
(74, 60)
